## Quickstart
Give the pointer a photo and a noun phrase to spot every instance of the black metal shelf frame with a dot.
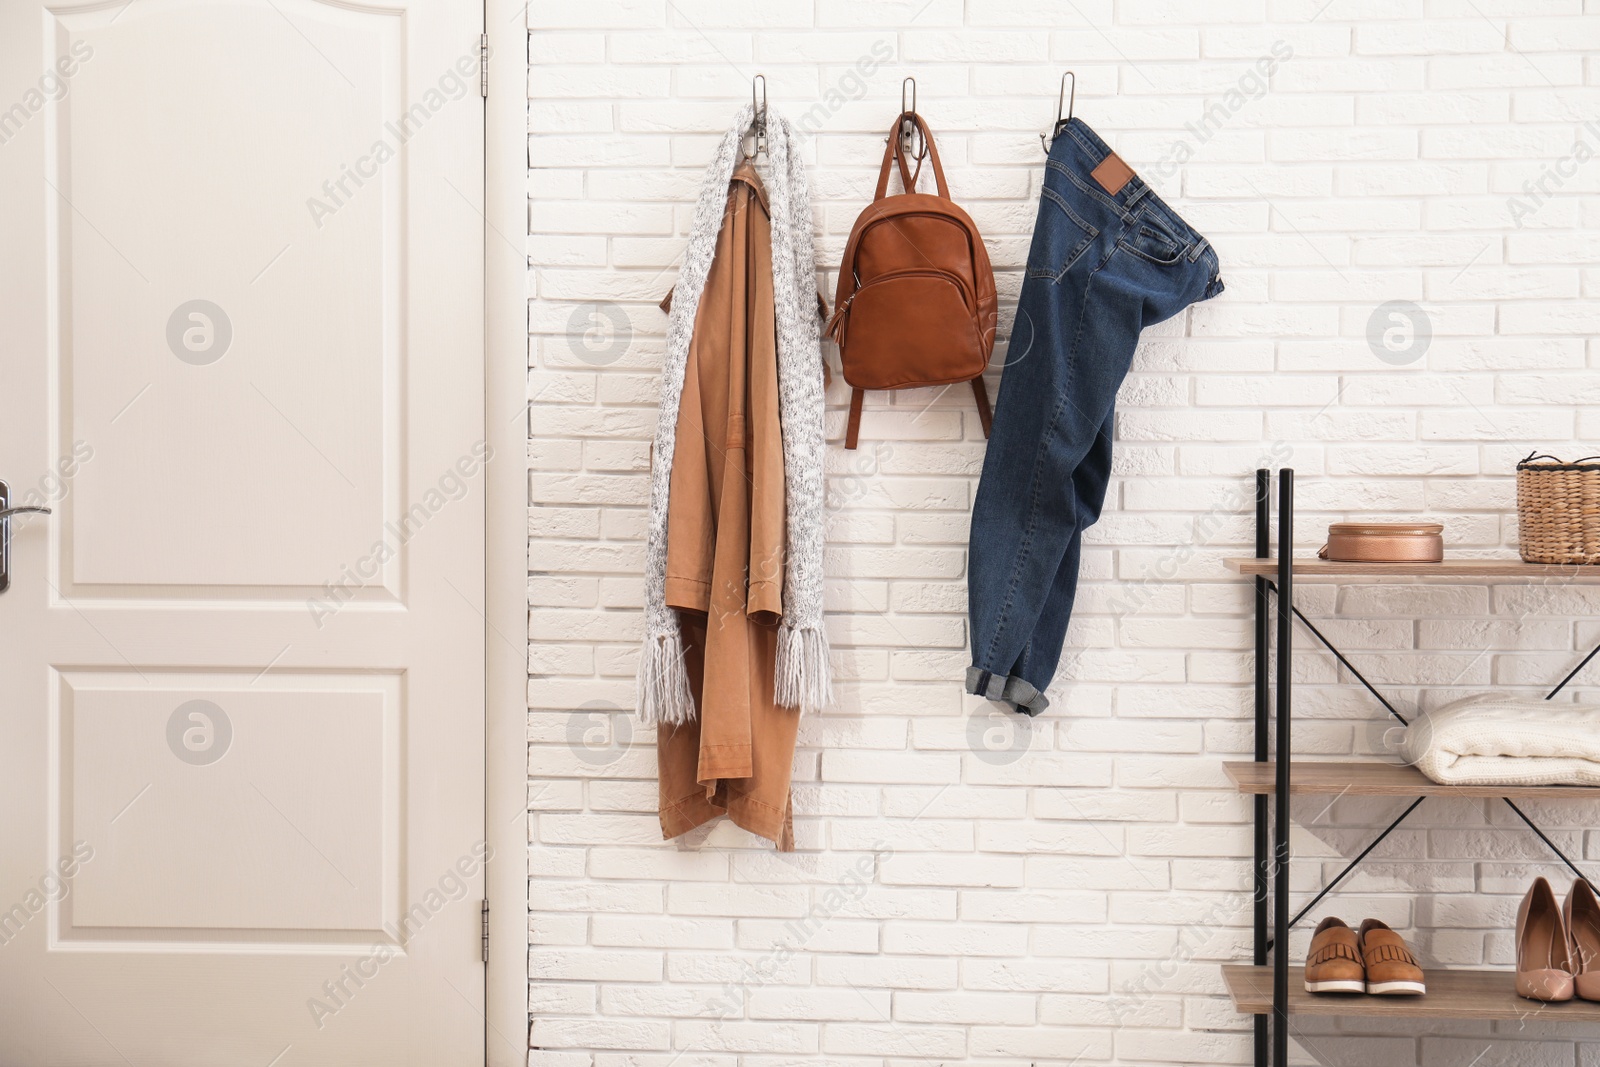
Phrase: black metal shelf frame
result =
(1274, 603)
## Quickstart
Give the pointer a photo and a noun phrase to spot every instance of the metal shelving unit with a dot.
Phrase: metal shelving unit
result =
(1261, 988)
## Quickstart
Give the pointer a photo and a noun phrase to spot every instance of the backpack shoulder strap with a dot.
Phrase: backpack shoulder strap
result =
(980, 393)
(852, 432)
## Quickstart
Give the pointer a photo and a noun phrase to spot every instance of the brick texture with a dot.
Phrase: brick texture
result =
(969, 887)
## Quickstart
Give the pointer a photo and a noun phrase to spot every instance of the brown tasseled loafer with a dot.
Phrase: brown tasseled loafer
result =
(1391, 968)
(1333, 963)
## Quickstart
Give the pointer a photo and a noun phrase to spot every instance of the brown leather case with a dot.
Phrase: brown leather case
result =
(1384, 542)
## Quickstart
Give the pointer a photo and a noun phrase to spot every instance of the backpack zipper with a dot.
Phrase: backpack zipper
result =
(837, 323)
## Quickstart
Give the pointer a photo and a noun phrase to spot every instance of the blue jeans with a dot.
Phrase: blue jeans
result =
(1103, 265)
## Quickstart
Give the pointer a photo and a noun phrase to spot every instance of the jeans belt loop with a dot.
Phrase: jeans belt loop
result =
(1199, 249)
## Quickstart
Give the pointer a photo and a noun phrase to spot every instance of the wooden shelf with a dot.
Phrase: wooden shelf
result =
(1451, 994)
(1372, 779)
(1453, 568)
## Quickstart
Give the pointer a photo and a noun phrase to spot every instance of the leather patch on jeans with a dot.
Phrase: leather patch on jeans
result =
(1112, 174)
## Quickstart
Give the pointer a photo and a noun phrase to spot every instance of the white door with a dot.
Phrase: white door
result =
(241, 664)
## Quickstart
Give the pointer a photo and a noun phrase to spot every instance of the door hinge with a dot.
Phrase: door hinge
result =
(483, 65)
(485, 914)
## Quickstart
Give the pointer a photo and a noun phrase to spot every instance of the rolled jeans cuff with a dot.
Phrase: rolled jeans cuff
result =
(1020, 694)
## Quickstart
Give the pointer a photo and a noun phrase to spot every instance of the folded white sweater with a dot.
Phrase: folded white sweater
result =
(1497, 740)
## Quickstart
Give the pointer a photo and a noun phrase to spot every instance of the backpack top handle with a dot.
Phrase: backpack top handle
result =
(893, 152)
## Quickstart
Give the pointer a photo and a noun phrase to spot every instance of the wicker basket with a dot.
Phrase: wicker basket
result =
(1558, 509)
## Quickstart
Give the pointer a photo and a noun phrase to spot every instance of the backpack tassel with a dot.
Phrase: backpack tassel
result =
(835, 330)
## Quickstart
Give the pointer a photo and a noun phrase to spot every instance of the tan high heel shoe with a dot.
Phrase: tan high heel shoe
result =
(1582, 915)
(1544, 952)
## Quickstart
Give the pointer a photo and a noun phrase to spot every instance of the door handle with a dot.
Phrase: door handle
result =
(6, 511)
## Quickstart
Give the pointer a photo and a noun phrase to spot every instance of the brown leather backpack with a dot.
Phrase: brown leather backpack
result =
(916, 303)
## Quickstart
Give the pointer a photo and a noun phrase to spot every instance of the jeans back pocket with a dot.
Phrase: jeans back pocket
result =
(1059, 237)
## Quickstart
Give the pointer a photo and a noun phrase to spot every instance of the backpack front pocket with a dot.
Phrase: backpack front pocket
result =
(914, 327)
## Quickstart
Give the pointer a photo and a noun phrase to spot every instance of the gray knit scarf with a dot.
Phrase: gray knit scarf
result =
(804, 677)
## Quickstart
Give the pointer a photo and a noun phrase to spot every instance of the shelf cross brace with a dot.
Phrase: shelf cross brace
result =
(1563, 683)
(1370, 688)
(1551, 844)
(1340, 656)
(1325, 890)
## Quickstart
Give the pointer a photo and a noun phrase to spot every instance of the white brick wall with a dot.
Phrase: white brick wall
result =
(952, 899)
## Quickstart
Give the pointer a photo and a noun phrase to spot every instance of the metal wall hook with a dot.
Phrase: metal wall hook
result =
(1062, 100)
(758, 119)
(909, 133)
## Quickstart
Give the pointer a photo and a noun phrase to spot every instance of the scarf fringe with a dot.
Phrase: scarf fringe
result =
(804, 675)
(664, 695)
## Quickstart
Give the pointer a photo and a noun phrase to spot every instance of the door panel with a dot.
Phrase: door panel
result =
(288, 300)
(291, 841)
(241, 723)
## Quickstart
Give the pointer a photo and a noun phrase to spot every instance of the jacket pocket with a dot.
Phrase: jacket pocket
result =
(914, 327)
(1059, 237)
